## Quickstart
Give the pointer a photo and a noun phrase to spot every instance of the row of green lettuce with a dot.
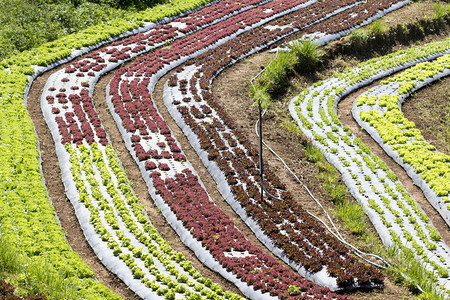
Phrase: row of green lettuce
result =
(402, 134)
(120, 221)
(315, 111)
(27, 217)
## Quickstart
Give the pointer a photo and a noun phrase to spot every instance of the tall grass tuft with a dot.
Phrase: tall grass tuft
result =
(338, 192)
(313, 154)
(308, 54)
(352, 214)
(275, 77)
(10, 259)
(378, 27)
(259, 92)
(440, 10)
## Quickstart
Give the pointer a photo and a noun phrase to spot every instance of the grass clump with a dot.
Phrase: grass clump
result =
(308, 54)
(440, 10)
(352, 214)
(313, 154)
(275, 77)
(378, 27)
(359, 36)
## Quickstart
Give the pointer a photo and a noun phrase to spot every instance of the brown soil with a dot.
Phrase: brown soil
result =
(409, 13)
(433, 103)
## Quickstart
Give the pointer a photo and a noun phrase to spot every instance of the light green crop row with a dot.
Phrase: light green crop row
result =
(26, 214)
(27, 217)
(406, 220)
(117, 215)
(405, 138)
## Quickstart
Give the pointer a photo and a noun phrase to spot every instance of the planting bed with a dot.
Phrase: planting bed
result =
(393, 212)
(378, 112)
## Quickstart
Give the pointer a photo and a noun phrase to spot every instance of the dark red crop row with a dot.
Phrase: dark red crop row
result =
(125, 48)
(84, 111)
(351, 18)
(241, 172)
(217, 233)
(93, 62)
(199, 215)
(214, 12)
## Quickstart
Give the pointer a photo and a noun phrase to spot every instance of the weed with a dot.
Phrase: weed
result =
(352, 214)
(275, 76)
(291, 126)
(308, 55)
(359, 37)
(439, 10)
(338, 193)
(313, 154)
(377, 27)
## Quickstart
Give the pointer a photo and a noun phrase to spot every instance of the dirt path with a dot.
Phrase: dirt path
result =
(57, 193)
(433, 103)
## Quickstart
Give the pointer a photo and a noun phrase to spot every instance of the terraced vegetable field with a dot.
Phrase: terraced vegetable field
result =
(263, 247)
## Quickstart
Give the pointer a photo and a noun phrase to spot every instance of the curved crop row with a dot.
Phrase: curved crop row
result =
(127, 86)
(132, 107)
(379, 109)
(394, 213)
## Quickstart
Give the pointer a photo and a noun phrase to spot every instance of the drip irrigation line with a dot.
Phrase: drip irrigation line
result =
(336, 234)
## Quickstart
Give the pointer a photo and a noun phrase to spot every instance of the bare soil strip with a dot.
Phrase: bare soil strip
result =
(432, 103)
